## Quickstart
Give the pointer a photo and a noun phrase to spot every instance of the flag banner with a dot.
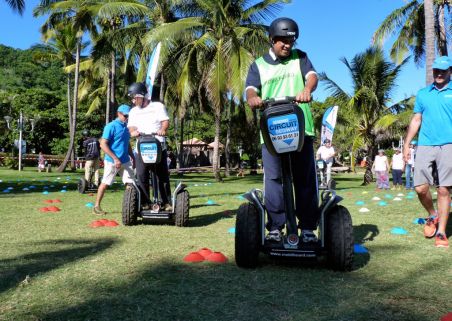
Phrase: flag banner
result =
(328, 124)
(153, 69)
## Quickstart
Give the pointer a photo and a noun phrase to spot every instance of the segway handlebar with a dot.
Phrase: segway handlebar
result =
(278, 101)
(150, 134)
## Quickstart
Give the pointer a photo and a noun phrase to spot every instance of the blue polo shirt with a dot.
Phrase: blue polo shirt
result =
(118, 136)
(436, 109)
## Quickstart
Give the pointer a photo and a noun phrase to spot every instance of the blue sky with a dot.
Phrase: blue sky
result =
(329, 30)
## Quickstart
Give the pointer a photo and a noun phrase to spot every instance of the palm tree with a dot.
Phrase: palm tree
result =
(227, 34)
(417, 27)
(17, 5)
(373, 80)
(83, 17)
(60, 45)
(429, 40)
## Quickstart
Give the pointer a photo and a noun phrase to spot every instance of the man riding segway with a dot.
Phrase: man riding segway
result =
(284, 71)
(148, 122)
(291, 193)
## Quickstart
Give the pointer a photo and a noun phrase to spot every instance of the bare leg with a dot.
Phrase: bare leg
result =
(425, 197)
(100, 193)
(443, 208)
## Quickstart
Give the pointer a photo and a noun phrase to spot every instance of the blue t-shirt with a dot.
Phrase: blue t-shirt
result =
(436, 109)
(118, 137)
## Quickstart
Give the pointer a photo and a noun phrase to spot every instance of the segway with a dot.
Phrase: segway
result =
(282, 126)
(89, 186)
(322, 177)
(149, 149)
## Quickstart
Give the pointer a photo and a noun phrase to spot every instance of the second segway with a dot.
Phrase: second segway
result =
(149, 149)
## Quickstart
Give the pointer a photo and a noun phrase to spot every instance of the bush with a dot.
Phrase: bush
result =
(11, 162)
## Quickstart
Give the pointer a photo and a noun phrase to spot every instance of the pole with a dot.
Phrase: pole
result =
(20, 141)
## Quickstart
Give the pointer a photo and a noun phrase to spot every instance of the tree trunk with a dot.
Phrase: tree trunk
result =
(162, 88)
(228, 140)
(69, 112)
(108, 102)
(181, 146)
(113, 86)
(442, 43)
(429, 40)
(371, 152)
(69, 108)
(216, 149)
(63, 165)
(254, 149)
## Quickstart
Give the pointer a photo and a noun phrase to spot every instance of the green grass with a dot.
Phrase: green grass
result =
(54, 267)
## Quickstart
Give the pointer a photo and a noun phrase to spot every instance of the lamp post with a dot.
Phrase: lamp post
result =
(20, 127)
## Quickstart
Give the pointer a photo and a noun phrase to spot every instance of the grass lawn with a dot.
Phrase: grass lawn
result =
(53, 266)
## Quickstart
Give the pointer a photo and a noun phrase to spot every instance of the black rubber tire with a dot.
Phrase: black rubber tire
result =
(130, 206)
(247, 236)
(82, 185)
(339, 238)
(332, 184)
(181, 212)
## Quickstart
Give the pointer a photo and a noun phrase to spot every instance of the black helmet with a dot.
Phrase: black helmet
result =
(85, 133)
(327, 141)
(283, 27)
(137, 88)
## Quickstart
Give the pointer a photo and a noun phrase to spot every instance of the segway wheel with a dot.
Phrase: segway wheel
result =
(182, 209)
(130, 206)
(332, 184)
(247, 236)
(339, 239)
(82, 185)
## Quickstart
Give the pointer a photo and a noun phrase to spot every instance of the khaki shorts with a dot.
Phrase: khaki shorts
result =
(433, 165)
(110, 171)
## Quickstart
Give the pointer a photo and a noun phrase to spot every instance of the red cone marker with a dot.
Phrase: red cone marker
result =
(96, 224)
(194, 257)
(447, 317)
(217, 257)
(205, 252)
(111, 223)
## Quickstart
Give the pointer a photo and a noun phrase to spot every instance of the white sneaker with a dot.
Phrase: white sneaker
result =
(308, 236)
(274, 236)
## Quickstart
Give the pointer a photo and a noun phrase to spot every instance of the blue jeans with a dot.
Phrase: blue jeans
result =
(408, 176)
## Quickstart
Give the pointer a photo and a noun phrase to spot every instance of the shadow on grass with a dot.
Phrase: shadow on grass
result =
(208, 219)
(176, 291)
(233, 195)
(363, 233)
(15, 270)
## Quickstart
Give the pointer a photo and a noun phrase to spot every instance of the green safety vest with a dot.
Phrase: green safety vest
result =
(284, 79)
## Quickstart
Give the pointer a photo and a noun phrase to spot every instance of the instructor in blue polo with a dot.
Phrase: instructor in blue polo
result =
(433, 166)
(118, 155)
(286, 71)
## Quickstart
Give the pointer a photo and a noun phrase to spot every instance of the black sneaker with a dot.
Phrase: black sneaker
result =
(274, 236)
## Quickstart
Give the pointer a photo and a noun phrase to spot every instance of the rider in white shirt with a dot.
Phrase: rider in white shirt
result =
(326, 153)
